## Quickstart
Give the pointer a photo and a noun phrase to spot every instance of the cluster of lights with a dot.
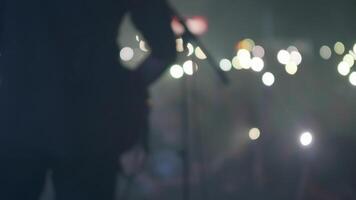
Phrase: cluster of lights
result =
(305, 138)
(290, 58)
(248, 56)
(348, 61)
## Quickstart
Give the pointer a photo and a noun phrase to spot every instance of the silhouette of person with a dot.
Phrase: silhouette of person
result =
(66, 104)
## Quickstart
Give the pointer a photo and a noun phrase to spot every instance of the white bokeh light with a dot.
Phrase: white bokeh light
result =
(188, 67)
(258, 51)
(296, 57)
(306, 139)
(325, 52)
(283, 57)
(343, 68)
(254, 133)
(339, 48)
(268, 79)
(352, 78)
(126, 54)
(225, 64)
(176, 71)
(291, 68)
(257, 64)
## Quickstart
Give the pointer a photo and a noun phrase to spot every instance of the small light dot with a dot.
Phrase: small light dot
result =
(291, 68)
(343, 68)
(306, 138)
(349, 59)
(236, 63)
(296, 57)
(325, 52)
(258, 51)
(190, 49)
(188, 67)
(126, 54)
(225, 65)
(199, 53)
(176, 71)
(179, 45)
(254, 133)
(352, 78)
(339, 48)
(283, 57)
(268, 79)
(257, 64)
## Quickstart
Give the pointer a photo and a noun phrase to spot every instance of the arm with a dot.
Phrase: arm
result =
(153, 19)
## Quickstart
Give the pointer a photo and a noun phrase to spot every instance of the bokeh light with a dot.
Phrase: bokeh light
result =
(258, 51)
(225, 65)
(143, 46)
(254, 133)
(188, 67)
(349, 59)
(283, 57)
(268, 79)
(257, 64)
(180, 45)
(247, 44)
(126, 54)
(354, 48)
(199, 53)
(352, 78)
(176, 71)
(325, 52)
(236, 63)
(296, 57)
(291, 68)
(244, 57)
(343, 68)
(190, 49)
(339, 48)
(306, 138)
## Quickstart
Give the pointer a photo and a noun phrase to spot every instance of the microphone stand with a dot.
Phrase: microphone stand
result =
(188, 35)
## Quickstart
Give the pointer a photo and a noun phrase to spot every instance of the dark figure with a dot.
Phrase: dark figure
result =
(66, 105)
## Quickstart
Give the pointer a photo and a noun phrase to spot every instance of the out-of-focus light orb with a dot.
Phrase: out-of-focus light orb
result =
(199, 53)
(349, 59)
(306, 138)
(126, 54)
(325, 52)
(177, 27)
(236, 63)
(258, 51)
(339, 48)
(354, 48)
(291, 68)
(244, 57)
(343, 68)
(352, 78)
(188, 67)
(292, 48)
(137, 38)
(198, 25)
(296, 57)
(247, 44)
(176, 71)
(254, 133)
(143, 46)
(190, 49)
(268, 79)
(225, 64)
(257, 64)
(179, 45)
(283, 57)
